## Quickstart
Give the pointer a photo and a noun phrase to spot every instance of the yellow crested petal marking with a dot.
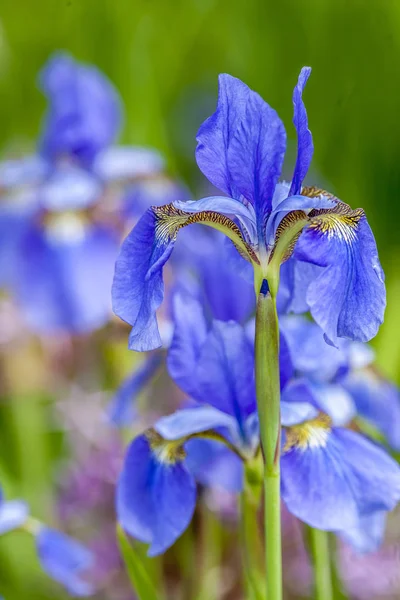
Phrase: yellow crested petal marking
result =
(341, 221)
(169, 220)
(168, 452)
(311, 434)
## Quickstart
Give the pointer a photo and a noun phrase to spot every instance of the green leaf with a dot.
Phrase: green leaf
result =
(136, 569)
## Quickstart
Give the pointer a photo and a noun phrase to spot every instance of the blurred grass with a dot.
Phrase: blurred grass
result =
(164, 58)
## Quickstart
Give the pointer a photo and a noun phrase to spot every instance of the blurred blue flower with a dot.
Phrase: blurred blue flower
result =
(65, 560)
(241, 149)
(13, 514)
(57, 248)
(84, 111)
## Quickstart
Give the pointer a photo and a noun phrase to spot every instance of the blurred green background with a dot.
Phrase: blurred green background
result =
(164, 58)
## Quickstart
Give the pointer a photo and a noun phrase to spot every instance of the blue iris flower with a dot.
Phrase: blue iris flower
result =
(332, 478)
(64, 559)
(57, 251)
(240, 150)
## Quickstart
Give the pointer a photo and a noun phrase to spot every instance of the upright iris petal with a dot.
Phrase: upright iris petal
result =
(242, 145)
(305, 147)
(84, 112)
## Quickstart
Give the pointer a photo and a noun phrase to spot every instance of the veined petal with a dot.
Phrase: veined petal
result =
(186, 422)
(348, 297)
(305, 147)
(241, 146)
(156, 495)
(122, 408)
(189, 336)
(224, 376)
(65, 560)
(378, 401)
(330, 478)
(138, 287)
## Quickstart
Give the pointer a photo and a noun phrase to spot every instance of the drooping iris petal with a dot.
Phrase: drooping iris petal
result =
(138, 287)
(65, 560)
(63, 278)
(305, 147)
(122, 408)
(348, 297)
(331, 478)
(190, 333)
(127, 162)
(241, 146)
(368, 534)
(13, 225)
(155, 498)
(378, 401)
(84, 112)
(214, 465)
(13, 514)
(224, 376)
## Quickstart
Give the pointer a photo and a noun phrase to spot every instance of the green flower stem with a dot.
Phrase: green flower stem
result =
(268, 401)
(322, 565)
(251, 543)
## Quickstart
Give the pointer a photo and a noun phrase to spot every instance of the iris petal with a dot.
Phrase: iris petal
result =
(84, 109)
(65, 560)
(138, 287)
(189, 336)
(65, 284)
(13, 514)
(155, 501)
(378, 401)
(241, 146)
(224, 376)
(348, 298)
(368, 534)
(332, 480)
(305, 147)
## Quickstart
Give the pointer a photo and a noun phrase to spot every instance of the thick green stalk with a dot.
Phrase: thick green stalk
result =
(251, 540)
(268, 401)
(322, 565)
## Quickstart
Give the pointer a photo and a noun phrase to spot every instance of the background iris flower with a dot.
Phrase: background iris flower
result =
(60, 239)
